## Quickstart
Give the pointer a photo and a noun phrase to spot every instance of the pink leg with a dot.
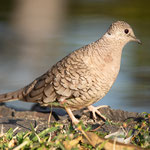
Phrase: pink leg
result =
(71, 115)
(95, 110)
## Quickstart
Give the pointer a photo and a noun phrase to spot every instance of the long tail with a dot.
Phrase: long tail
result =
(12, 96)
(19, 94)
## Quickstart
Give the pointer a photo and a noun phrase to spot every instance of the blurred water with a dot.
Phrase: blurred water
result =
(23, 57)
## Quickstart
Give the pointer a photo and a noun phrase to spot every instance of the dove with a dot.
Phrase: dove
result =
(81, 78)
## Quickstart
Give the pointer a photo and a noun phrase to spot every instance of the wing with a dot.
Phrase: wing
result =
(40, 89)
(70, 79)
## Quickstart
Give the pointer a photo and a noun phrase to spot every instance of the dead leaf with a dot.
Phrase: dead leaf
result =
(71, 144)
(94, 138)
(12, 143)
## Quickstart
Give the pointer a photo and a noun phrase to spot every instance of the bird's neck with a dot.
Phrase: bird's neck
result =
(106, 53)
(108, 49)
(112, 45)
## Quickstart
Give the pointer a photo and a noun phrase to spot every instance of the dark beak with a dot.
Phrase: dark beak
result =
(138, 41)
(135, 39)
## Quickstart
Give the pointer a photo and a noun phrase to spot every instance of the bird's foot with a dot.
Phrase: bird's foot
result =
(95, 110)
(73, 118)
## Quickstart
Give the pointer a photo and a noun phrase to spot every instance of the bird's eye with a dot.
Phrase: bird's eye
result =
(126, 31)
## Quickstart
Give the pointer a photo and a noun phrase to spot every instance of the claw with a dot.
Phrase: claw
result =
(95, 110)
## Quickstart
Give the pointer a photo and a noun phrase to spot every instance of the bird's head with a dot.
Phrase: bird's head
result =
(122, 32)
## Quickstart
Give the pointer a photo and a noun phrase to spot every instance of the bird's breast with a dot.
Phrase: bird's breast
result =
(105, 74)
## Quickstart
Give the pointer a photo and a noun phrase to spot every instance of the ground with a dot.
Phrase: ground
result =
(11, 118)
(135, 125)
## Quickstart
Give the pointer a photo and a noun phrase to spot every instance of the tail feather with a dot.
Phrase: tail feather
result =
(19, 94)
(12, 96)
